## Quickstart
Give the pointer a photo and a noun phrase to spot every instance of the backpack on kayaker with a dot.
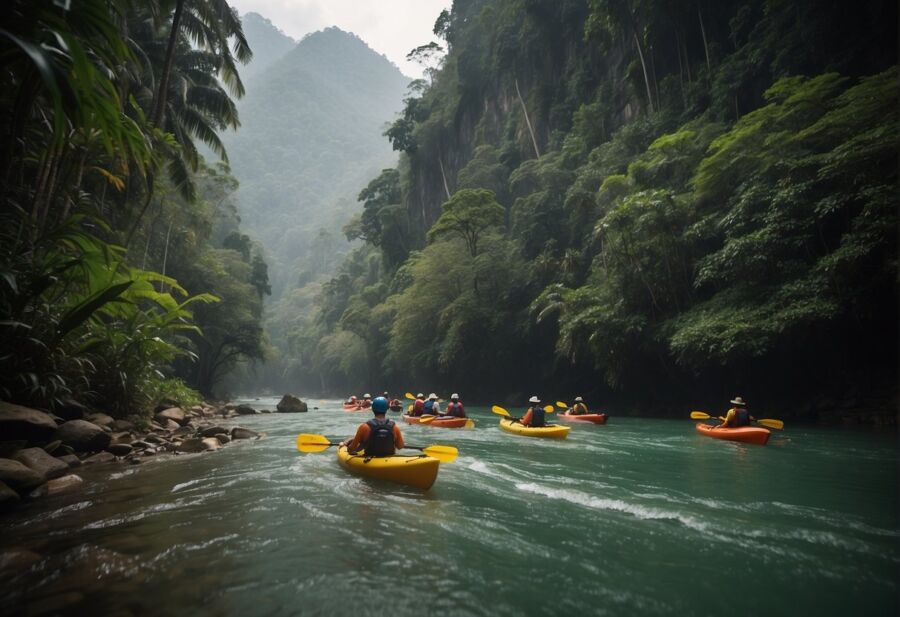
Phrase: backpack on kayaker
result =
(381, 438)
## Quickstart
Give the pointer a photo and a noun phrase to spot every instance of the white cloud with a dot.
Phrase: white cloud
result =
(390, 27)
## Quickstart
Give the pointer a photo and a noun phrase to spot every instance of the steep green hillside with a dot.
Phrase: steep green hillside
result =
(695, 199)
(310, 139)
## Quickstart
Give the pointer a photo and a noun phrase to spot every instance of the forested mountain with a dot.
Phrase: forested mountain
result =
(269, 44)
(651, 203)
(310, 140)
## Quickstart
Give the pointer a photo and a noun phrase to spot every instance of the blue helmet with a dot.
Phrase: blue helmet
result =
(380, 405)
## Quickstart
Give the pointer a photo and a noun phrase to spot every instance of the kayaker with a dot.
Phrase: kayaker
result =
(432, 407)
(455, 409)
(379, 436)
(535, 414)
(737, 416)
(578, 409)
(419, 406)
(366, 402)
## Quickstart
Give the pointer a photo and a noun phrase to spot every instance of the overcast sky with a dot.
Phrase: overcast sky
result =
(390, 27)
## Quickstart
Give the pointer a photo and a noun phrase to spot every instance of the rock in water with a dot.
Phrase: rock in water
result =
(175, 414)
(47, 466)
(243, 433)
(82, 436)
(210, 443)
(191, 445)
(17, 422)
(100, 457)
(119, 449)
(245, 410)
(70, 459)
(59, 485)
(291, 404)
(223, 438)
(17, 476)
(212, 431)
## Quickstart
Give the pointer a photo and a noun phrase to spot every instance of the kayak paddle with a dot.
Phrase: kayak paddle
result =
(409, 396)
(311, 443)
(428, 419)
(767, 422)
(562, 405)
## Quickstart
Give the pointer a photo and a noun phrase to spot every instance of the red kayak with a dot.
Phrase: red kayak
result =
(441, 422)
(743, 434)
(592, 418)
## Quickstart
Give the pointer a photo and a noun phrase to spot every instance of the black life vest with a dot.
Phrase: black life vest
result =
(741, 417)
(381, 438)
(537, 416)
(456, 410)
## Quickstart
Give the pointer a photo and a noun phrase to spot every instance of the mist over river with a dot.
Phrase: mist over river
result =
(637, 517)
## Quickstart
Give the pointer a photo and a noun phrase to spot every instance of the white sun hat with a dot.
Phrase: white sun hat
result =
(367, 396)
(433, 395)
(453, 396)
(534, 399)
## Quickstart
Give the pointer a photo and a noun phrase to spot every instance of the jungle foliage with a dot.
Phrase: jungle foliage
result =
(112, 288)
(674, 201)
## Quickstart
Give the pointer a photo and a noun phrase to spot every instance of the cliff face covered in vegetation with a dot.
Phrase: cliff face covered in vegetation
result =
(649, 203)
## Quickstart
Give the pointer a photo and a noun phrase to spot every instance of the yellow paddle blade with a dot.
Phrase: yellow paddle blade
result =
(307, 442)
(562, 405)
(699, 415)
(426, 419)
(499, 411)
(549, 409)
(410, 396)
(771, 423)
(469, 424)
(409, 408)
(445, 454)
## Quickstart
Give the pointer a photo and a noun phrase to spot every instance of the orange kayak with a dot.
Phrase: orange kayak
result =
(743, 434)
(593, 418)
(441, 422)
(350, 407)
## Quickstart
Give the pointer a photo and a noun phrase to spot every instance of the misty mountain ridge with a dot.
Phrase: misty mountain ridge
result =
(310, 140)
(267, 41)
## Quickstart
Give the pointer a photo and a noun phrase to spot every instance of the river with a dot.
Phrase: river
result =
(637, 517)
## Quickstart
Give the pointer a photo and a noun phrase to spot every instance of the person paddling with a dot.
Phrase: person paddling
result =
(737, 416)
(455, 409)
(535, 414)
(432, 407)
(393, 403)
(366, 402)
(419, 406)
(377, 437)
(352, 401)
(578, 409)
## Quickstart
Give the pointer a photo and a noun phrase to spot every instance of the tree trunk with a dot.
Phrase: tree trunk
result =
(680, 68)
(166, 254)
(705, 45)
(160, 105)
(644, 68)
(537, 151)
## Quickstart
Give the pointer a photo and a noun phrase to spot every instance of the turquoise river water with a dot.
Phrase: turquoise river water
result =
(637, 517)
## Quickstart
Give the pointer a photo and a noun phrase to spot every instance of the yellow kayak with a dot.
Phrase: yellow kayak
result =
(551, 430)
(416, 470)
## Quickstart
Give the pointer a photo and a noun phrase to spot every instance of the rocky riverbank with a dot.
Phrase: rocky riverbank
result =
(40, 451)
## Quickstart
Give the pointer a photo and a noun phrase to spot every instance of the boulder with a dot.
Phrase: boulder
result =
(182, 430)
(291, 404)
(71, 409)
(175, 414)
(140, 445)
(17, 422)
(70, 459)
(212, 431)
(171, 425)
(191, 445)
(164, 404)
(82, 436)
(9, 448)
(52, 447)
(100, 419)
(45, 465)
(122, 425)
(245, 410)
(100, 457)
(223, 438)
(18, 477)
(59, 485)
(123, 437)
(154, 439)
(243, 433)
(210, 443)
(119, 449)
(8, 498)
